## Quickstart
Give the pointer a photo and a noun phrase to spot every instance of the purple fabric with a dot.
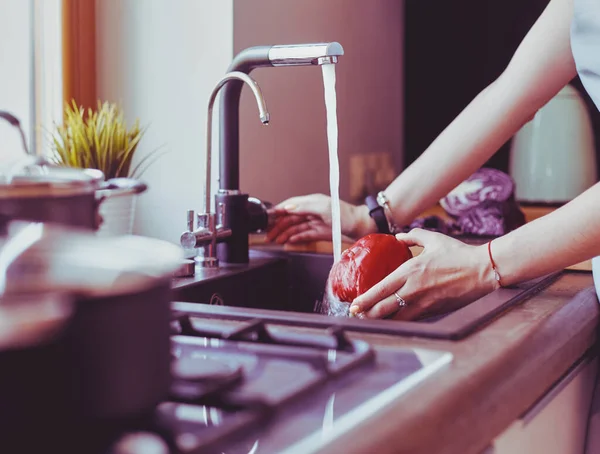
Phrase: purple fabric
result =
(484, 206)
(433, 223)
(483, 186)
(491, 219)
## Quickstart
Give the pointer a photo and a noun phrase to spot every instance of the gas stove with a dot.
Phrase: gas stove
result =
(246, 385)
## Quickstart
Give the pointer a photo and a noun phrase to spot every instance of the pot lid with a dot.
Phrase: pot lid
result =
(35, 176)
(45, 258)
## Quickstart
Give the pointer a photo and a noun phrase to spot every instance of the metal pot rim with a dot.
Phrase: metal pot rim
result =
(39, 178)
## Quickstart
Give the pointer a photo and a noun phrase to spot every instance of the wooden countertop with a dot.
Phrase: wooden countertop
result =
(497, 374)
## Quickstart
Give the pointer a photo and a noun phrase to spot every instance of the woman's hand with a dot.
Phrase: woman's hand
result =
(308, 218)
(448, 274)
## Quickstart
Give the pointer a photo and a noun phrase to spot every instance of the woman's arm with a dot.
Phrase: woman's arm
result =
(541, 66)
(450, 274)
(562, 238)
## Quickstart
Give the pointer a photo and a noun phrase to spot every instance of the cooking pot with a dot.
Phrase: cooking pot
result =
(33, 377)
(86, 349)
(34, 189)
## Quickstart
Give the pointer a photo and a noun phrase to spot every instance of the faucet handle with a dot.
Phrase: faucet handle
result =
(187, 240)
(221, 214)
(203, 220)
(190, 220)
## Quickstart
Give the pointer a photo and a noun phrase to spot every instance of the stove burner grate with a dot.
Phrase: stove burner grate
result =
(218, 393)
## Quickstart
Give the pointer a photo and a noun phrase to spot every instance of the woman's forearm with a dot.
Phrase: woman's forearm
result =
(542, 65)
(567, 236)
(464, 146)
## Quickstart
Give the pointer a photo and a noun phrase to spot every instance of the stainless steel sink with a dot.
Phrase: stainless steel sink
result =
(307, 275)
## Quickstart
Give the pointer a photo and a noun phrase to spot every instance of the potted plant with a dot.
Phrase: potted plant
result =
(100, 139)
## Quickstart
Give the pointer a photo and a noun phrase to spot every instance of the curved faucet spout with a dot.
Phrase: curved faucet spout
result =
(262, 110)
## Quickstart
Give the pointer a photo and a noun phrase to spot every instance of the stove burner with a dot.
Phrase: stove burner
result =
(202, 369)
(198, 378)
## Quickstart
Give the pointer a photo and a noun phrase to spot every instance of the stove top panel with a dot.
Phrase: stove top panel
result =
(261, 388)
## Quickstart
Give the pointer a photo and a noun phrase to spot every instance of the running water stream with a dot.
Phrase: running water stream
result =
(334, 165)
(329, 304)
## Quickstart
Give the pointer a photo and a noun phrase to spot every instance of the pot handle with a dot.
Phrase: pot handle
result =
(116, 187)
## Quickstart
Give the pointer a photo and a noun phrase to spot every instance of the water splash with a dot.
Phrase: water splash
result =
(330, 305)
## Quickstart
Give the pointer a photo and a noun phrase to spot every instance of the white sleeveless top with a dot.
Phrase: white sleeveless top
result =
(585, 45)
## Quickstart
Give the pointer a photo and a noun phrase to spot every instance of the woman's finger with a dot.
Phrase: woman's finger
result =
(277, 211)
(285, 236)
(388, 306)
(315, 204)
(315, 233)
(282, 224)
(289, 204)
(417, 237)
(384, 288)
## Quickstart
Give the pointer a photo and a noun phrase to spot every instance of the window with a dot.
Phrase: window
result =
(31, 74)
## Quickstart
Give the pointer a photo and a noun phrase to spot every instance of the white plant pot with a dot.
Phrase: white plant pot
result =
(118, 215)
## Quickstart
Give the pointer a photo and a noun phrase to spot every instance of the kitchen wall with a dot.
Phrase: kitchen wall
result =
(289, 157)
(160, 60)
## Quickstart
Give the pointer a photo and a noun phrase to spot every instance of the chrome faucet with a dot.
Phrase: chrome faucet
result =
(210, 226)
(239, 220)
(304, 54)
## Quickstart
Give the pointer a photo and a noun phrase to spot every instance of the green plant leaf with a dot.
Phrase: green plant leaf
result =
(138, 170)
(97, 138)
